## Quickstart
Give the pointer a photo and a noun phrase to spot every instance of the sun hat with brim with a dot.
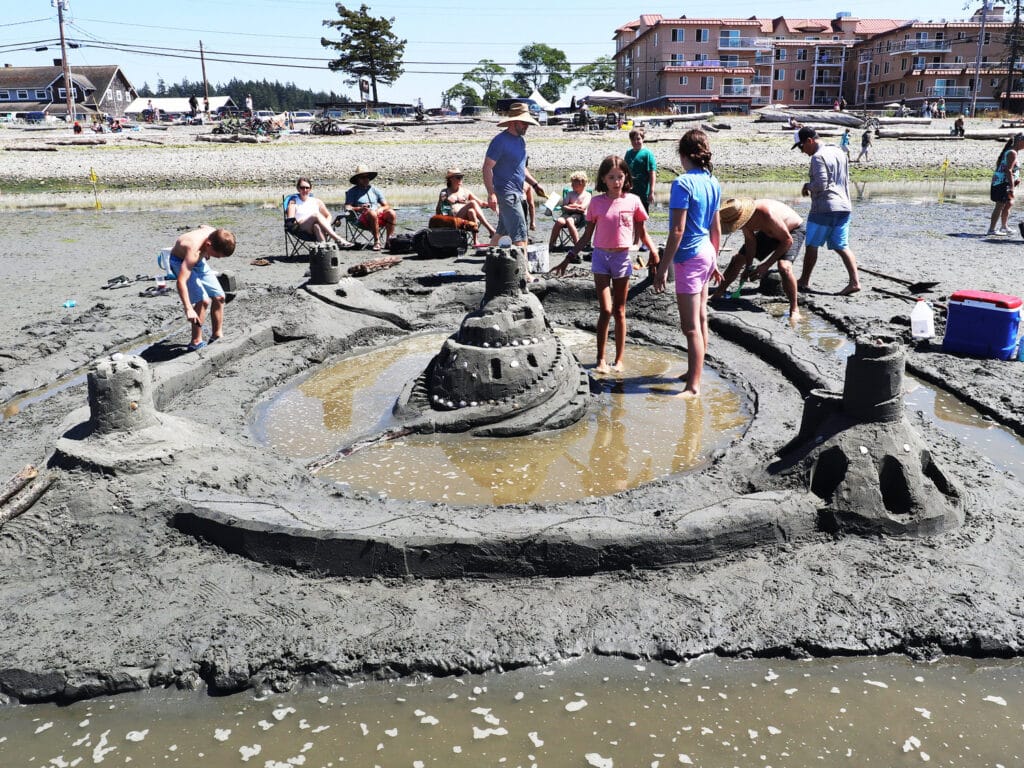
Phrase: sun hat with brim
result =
(362, 170)
(518, 113)
(453, 172)
(805, 133)
(735, 213)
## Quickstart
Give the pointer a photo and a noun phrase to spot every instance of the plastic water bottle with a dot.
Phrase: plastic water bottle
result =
(922, 320)
(69, 304)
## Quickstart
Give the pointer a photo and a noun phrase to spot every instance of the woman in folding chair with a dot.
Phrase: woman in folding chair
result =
(456, 201)
(311, 215)
(574, 211)
(368, 205)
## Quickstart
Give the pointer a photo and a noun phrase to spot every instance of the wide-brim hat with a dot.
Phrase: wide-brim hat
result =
(362, 170)
(518, 112)
(735, 213)
(452, 172)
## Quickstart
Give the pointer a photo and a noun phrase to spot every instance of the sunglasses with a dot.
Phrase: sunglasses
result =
(456, 176)
(304, 188)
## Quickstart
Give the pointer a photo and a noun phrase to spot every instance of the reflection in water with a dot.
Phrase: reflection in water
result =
(710, 712)
(627, 441)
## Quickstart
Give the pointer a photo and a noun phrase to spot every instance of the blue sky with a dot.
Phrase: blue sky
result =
(445, 37)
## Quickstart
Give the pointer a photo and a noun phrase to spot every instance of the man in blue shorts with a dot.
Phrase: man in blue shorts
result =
(197, 285)
(505, 175)
(829, 219)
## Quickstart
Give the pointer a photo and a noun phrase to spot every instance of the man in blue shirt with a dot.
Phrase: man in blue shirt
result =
(505, 175)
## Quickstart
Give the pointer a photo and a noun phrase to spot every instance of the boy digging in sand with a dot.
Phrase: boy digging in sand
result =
(197, 286)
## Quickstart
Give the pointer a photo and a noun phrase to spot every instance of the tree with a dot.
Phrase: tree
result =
(463, 92)
(597, 76)
(367, 47)
(489, 78)
(544, 68)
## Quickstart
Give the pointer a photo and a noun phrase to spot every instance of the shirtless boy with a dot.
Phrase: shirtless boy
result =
(197, 286)
(773, 233)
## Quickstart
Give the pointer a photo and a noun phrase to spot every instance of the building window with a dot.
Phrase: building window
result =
(780, 75)
(678, 35)
(961, 35)
(988, 38)
(801, 54)
(23, 95)
(920, 86)
(885, 68)
(800, 74)
(778, 94)
(798, 94)
(707, 83)
(903, 88)
(703, 35)
(702, 57)
(921, 37)
(780, 54)
(958, 59)
(5, 95)
(118, 96)
(874, 70)
(891, 89)
(730, 60)
(677, 59)
(40, 94)
(684, 80)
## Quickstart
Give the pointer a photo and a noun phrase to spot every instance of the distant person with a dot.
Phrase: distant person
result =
(613, 216)
(455, 200)
(958, 126)
(842, 103)
(311, 215)
(193, 105)
(206, 105)
(77, 128)
(772, 233)
(1005, 178)
(574, 210)
(248, 103)
(942, 107)
(829, 219)
(197, 285)
(505, 174)
(368, 204)
(643, 170)
(865, 145)
(844, 143)
(694, 238)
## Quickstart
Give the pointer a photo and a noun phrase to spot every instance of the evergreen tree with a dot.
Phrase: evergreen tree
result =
(367, 48)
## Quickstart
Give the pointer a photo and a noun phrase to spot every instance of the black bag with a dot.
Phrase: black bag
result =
(399, 244)
(440, 243)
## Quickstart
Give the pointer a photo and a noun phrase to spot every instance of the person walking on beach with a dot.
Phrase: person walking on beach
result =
(643, 169)
(613, 216)
(248, 104)
(193, 105)
(694, 238)
(865, 145)
(197, 285)
(505, 175)
(772, 233)
(829, 219)
(1005, 178)
(844, 143)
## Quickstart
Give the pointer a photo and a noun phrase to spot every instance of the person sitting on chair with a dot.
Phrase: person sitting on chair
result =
(574, 210)
(311, 215)
(461, 203)
(368, 204)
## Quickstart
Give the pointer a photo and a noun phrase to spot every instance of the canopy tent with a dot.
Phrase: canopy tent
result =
(608, 99)
(543, 103)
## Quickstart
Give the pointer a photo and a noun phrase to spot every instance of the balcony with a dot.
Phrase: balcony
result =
(714, 63)
(759, 101)
(829, 60)
(911, 46)
(949, 91)
(749, 43)
(763, 59)
(741, 90)
(833, 81)
(760, 80)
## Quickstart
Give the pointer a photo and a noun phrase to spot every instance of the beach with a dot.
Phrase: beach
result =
(104, 592)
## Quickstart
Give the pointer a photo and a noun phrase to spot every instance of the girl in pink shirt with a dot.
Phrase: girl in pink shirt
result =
(612, 219)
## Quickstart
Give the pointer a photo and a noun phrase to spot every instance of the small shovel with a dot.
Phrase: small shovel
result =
(918, 287)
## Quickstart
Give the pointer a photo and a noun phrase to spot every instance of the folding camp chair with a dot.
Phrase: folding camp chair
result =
(354, 231)
(564, 240)
(296, 242)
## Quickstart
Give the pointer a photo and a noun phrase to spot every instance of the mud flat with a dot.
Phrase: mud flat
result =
(103, 594)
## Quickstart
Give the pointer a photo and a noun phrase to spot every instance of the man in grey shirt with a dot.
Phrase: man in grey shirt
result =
(829, 219)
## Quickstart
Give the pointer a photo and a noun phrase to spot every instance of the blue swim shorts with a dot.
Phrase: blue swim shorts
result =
(831, 228)
(202, 283)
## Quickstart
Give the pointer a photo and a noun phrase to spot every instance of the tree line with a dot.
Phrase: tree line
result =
(276, 96)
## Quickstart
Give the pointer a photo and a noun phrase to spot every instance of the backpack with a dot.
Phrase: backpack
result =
(399, 244)
(440, 243)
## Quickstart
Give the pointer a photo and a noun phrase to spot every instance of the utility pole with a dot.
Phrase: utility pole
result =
(977, 63)
(69, 87)
(206, 85)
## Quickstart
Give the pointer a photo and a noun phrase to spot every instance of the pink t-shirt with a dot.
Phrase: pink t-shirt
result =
(614, 219)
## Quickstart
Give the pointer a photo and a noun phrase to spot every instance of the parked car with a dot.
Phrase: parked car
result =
(536, 111)
(302, 116)
(34, 118)
(264, 114)
(477, 111)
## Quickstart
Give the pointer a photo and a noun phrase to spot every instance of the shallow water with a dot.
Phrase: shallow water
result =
(638, 433)
(596, 711)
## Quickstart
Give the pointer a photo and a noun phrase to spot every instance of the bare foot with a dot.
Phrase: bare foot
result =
(688, 394)
(602, 366)
(794, 316)
(618, 367)
(849, 290)
(803, 287)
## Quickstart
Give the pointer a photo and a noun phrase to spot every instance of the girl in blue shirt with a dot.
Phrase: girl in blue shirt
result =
(693, 240)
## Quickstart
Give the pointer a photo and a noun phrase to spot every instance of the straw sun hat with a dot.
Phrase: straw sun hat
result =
(518, 113)
(735, 213)
(362, 170)
(453, 172)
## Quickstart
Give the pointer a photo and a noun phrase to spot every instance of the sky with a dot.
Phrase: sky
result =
(275, 40)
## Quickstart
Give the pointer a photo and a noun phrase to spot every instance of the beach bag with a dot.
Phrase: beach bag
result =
(400, 244)
(440, 243)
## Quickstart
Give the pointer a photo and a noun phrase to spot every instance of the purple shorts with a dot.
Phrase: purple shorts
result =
(694, 273)
(612, 263)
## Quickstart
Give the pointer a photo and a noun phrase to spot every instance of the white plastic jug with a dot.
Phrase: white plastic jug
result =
(922, 320)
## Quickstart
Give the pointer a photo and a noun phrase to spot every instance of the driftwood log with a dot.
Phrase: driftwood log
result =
(374, 265)
(23, 500)
(30, 149)
(77, 142)
(16, 483)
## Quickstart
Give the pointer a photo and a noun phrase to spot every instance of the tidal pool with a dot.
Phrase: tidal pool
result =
(638, 433)
(596, 711)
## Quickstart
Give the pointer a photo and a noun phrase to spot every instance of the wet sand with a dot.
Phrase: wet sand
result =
(102, 595)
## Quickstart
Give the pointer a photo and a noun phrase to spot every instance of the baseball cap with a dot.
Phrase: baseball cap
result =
(805, 133)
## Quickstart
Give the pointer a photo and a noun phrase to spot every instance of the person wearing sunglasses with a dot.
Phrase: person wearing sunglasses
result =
(311, 215)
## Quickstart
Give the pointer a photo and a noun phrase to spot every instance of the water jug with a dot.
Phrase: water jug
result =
(922, 321)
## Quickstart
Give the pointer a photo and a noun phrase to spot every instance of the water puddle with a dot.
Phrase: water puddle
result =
(639, 432)
(595, 711)
(1001, 445)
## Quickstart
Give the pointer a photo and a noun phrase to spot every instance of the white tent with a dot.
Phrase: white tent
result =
(608, 99)
(564, 102)
(543, 103)
(176, 106)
